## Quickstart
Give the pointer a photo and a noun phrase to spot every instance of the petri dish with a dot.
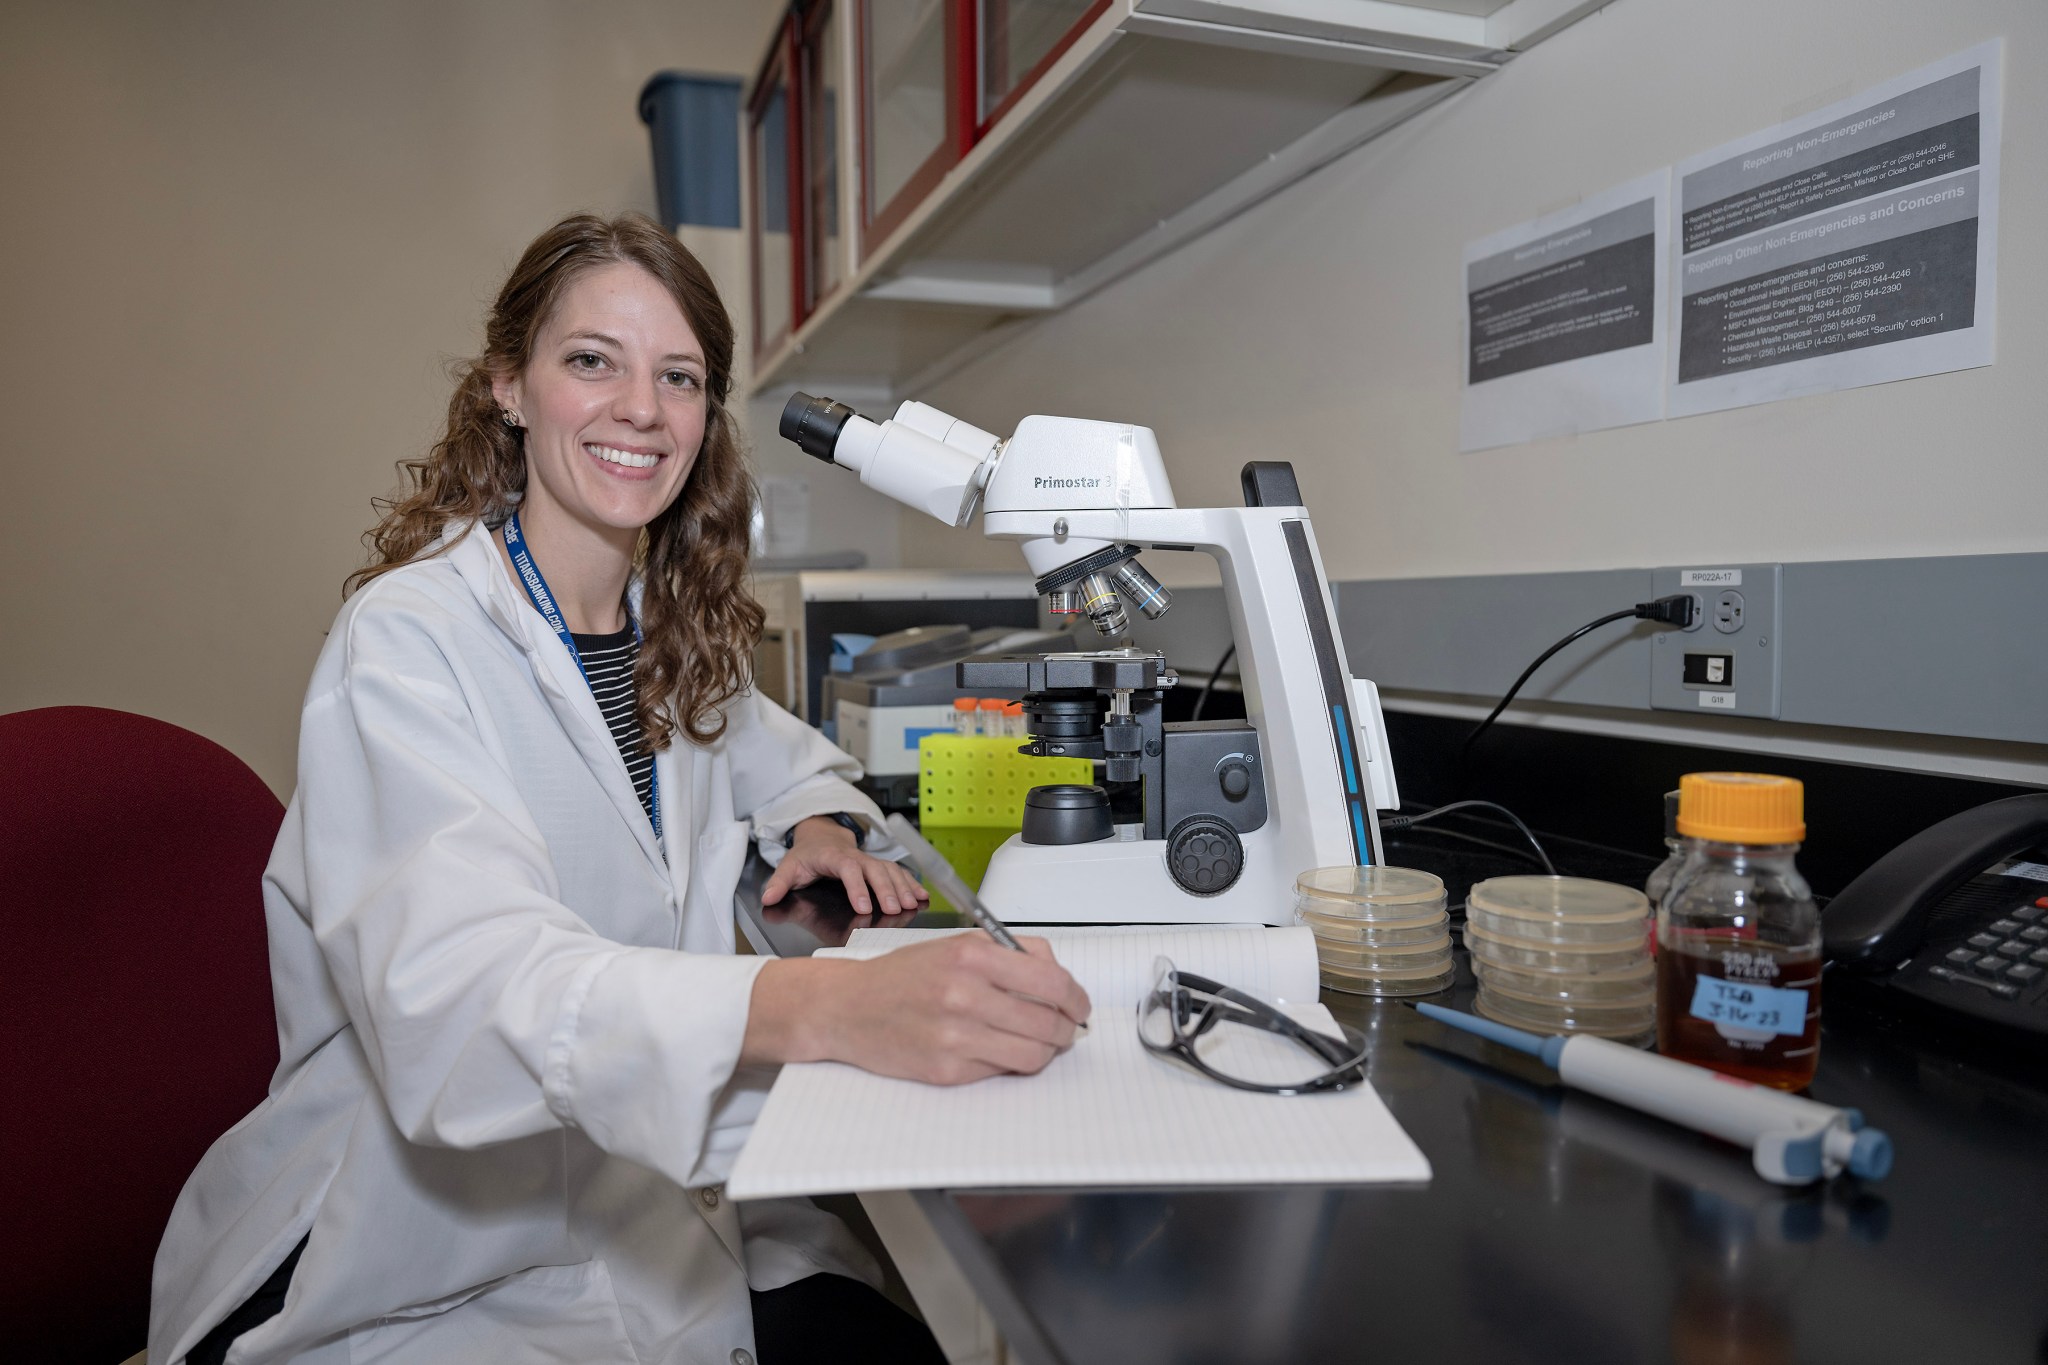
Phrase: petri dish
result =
(1375, 933)
(1621, 988)
(1382, 894)
(1360, 957)
(1579, 959)
(1420, 980)
(1623, 1023)
(1558, 910)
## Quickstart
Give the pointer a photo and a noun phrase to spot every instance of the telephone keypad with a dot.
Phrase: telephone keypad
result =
(2029, 912)
(1990, 965)
(2020, 971)
(2006, 926)
(1983, 940)
(2013, 948)
(1962, 956)
(2035, 935)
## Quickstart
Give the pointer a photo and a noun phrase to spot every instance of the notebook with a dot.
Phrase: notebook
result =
(1106, 1112)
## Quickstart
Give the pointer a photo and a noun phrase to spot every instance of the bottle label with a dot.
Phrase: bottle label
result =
(1747, 1007)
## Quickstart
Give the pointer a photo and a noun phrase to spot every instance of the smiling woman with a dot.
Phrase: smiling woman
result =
(518, 1049)
(551, 336)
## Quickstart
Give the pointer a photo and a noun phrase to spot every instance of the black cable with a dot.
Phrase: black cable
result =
(1509, 850)
(1202, 697)
(1675, 610)
(1400, 822)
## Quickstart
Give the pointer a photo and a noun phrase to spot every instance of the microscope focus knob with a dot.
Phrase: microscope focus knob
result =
(1235, 778)
(1204, 855)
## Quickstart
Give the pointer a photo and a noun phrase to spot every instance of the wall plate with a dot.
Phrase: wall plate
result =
(1728, 664)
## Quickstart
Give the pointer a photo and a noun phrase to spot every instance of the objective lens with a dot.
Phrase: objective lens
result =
(1063, 602)
(1134, 582)
(1104, 608)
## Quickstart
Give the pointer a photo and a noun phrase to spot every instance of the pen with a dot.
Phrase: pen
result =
(935, 869)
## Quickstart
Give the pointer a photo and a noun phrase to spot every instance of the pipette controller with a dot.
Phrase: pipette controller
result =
(1792, 1141)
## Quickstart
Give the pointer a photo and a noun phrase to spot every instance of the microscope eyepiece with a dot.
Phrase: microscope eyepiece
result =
(814, 424)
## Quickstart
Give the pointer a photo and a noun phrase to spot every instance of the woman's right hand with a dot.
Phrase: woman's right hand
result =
(945, 1011)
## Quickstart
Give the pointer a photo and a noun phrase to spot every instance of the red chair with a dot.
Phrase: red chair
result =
(138, 1024)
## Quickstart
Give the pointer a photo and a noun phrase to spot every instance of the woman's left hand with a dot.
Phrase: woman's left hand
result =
(826, 848)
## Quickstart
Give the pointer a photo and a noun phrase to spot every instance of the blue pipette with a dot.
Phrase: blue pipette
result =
(1793, 1141)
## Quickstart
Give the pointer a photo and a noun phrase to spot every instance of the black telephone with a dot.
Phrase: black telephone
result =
(1956, 918)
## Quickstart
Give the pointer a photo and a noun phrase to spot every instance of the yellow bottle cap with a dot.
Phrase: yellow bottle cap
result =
(1742, 808)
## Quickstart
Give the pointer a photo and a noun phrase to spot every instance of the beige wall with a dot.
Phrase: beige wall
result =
(1323, 326)
(242, 239)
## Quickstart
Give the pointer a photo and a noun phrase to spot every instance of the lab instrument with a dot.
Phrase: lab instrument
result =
(1210, 821)
(1738, 935)
(1792, 1140)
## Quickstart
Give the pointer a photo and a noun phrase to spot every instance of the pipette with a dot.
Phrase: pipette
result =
(1792, 1141)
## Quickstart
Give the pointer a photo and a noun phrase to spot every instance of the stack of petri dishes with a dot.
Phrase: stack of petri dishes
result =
(1563, 955)
(1379, 930)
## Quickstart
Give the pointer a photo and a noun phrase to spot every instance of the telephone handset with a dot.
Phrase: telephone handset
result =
(1958, 917)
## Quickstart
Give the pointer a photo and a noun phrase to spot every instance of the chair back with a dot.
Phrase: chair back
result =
(137, 1014)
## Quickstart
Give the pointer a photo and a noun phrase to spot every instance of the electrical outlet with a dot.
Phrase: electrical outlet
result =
(1732, 669)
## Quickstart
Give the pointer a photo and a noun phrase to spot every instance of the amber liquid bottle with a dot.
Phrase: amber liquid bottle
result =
(1738, 935)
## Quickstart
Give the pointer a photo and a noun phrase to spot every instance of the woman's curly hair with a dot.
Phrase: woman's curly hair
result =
(699, 621)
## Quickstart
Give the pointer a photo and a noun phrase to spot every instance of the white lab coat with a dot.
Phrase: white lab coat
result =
(509, 1031)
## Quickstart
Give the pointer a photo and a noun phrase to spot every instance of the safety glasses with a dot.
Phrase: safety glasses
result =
(1187, 1018)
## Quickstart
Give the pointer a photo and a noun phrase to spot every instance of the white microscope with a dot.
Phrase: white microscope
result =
(1196, 821)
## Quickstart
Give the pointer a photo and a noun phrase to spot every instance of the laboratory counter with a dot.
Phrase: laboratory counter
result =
(1557, 1227)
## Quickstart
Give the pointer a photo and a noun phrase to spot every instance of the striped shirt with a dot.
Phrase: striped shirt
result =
(608, 663)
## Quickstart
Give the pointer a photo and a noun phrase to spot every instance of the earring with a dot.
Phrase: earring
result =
(512, 419)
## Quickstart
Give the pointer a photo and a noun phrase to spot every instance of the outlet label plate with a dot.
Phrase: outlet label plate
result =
(1695, 671)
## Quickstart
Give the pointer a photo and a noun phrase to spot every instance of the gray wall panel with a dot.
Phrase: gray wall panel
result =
(1474, 635)
(1945, 646)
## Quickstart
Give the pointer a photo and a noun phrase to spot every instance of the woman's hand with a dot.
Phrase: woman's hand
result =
(825, 848)
(945, 1011)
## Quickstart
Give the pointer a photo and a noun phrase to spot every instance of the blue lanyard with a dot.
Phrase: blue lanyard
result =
(544, 602)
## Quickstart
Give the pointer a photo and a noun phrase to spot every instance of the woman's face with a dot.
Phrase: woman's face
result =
(613, 402)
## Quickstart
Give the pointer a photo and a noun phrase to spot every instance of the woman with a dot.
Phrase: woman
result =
(518, 1049)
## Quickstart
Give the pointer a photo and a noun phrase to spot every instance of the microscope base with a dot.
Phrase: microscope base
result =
(1125, 881)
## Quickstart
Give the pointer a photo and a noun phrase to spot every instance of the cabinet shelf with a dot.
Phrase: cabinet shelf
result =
(1161, 120)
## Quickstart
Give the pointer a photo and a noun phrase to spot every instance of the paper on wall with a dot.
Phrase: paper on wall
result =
(1564, 320)
(1852, 246)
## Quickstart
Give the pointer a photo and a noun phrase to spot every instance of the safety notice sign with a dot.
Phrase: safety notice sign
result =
(1564, 320)
(1853, 246)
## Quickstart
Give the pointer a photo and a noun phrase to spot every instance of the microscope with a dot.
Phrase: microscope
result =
(1195, 821)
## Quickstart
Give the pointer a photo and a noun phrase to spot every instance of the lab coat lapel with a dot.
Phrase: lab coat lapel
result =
(561, 682)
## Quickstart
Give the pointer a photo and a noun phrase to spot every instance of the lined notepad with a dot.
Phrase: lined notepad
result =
(1107, 1112)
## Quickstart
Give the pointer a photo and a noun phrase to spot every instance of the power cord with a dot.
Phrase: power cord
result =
(1393, 823)
(1202, 697)
(1675, 610)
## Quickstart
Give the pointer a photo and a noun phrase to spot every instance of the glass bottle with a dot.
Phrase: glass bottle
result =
(1659, 883)
(1738, 935)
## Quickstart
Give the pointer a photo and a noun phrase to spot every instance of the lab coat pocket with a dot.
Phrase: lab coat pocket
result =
(550, 1315)
(715, 867)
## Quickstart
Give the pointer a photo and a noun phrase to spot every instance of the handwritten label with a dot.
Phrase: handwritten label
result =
(1710, 578)
(1743, 1004)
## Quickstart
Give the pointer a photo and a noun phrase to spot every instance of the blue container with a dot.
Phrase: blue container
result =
(694, 124)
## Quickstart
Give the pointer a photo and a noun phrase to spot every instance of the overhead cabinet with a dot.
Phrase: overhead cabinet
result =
(1009, 157)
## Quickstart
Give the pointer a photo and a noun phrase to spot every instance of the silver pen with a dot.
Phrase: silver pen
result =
(933, 867)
